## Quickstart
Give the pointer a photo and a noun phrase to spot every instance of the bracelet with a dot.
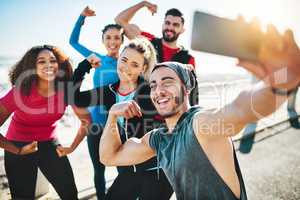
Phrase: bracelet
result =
(283, 92)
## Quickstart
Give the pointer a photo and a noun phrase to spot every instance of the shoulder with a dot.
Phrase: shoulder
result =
(13, 98)
(154, 138)
(194, 111)
(149, 36)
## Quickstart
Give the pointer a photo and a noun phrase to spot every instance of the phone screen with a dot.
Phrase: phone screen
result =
(223, 36)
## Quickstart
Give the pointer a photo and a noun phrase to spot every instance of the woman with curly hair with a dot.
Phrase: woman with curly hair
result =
(36, 101)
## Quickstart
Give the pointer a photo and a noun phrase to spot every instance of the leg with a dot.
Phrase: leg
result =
(124, 187)
(21, 171)
(99, 168)
(152, 188)
(57, 170)
(165, 187)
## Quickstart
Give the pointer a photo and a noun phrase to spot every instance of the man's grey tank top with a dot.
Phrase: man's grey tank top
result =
(187, 167)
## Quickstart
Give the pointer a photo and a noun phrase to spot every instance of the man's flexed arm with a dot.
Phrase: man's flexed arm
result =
(134, 150)
(124, 17)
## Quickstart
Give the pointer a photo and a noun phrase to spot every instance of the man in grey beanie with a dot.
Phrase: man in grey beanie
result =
(194, 148)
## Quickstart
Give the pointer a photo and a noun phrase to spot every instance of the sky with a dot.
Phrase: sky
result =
(25, 23)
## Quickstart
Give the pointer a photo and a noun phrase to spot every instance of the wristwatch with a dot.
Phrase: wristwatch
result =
(283, 92)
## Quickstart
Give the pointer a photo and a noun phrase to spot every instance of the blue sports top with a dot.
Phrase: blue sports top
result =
(104, 75)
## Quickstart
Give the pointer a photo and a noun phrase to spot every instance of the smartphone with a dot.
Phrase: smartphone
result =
(213, 34)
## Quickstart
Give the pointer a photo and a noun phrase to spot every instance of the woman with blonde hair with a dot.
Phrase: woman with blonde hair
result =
(134, 66)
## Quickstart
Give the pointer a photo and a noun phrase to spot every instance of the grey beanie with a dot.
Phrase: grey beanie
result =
(184, 73)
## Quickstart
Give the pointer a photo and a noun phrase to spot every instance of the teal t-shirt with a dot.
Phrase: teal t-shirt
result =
(186, 165)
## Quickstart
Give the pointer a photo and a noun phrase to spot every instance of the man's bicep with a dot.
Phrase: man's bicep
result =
(131, 31)
(135, 151)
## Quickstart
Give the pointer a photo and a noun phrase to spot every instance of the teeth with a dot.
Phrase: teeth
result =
(162, 101)
(48, 72)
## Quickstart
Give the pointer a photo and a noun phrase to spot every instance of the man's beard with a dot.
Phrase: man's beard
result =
(170, 39)
(178, 102)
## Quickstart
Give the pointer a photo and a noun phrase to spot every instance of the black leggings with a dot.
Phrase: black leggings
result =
(93, 141)
(21, 171)
(142, 185)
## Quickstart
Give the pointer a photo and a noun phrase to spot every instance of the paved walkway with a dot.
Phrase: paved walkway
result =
(271, 170)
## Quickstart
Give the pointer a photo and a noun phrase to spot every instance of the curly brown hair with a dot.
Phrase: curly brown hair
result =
(27, 64)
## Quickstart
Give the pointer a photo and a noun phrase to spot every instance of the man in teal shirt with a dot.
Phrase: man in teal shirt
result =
(194, 148)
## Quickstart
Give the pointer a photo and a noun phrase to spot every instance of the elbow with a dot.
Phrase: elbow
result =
(71, 41)
(103, 155)
(119, 21)
(105, 159)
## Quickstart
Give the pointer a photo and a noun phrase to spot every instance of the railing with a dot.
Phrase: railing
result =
(213, 94)
(218, 94)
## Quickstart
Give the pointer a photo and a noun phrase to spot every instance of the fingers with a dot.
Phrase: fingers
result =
(273, 38)
(94, 60)
(88, 12)
(34, 146)
(137, 109)
(29, 148)
(127, 109)
(96, 63)
(151, 7)
(255, 24)
(289, 39)
(60, 151)
(256, 69)
(132, 110)
(241, 19)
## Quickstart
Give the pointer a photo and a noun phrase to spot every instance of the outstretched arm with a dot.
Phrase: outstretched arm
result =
(249, 106)
(279, 70)
(74, 38)
(124, 17)
(134, 150)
